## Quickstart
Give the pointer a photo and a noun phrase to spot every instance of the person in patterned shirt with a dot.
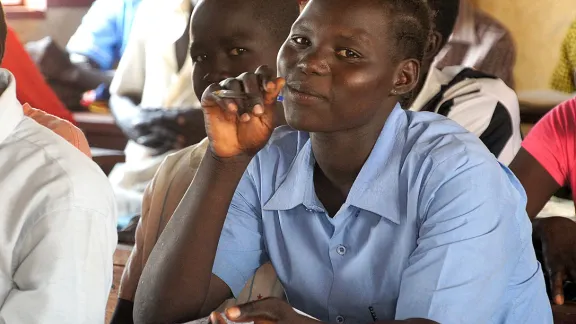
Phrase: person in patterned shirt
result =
(563, 76)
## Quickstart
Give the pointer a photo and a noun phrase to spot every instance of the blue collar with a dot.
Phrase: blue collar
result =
(376, 189)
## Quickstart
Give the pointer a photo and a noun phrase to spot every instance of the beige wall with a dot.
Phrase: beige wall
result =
(59, 23)
(538, 27)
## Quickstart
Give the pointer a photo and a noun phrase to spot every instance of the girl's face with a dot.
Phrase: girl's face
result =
(339, 67)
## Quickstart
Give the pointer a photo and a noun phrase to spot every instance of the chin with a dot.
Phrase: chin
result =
(305, 118)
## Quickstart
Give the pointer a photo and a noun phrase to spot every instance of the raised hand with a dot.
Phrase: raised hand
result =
(558, 237)
(241, 127)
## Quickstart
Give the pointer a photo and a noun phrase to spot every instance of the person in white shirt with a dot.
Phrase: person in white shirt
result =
(152, 98)
(57, 222)
(481, 103)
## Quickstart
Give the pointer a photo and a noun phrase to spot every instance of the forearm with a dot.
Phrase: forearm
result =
(87, 77)
(176, 278)
(123, 312)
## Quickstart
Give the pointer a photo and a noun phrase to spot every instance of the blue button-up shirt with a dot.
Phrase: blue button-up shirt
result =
(433, 227)
(104, 31)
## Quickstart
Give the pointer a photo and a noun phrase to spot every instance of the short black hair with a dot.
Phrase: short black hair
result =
(3, 32)
(444, 15)
(410, 25)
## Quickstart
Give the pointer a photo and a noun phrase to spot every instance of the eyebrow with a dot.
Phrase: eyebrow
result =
(357, 36)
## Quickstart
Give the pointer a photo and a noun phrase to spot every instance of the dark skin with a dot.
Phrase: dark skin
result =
(555, 233)
(327, 72)
(159, 128)
(224, 51)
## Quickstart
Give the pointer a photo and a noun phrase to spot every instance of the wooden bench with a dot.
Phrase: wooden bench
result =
(534, 104)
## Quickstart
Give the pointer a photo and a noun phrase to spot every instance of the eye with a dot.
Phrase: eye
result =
(348, 53)
(199, 58)
(237, 51)
(301, 40)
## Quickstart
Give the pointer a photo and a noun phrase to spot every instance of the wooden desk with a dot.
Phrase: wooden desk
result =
(534, 104)
(120, 258)
(101, 130)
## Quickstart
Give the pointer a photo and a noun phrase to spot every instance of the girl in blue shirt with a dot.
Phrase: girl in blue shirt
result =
(367, 212)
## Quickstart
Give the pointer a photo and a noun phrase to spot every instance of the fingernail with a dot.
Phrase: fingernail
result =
(233, 312)
(213, 318)
(232, 107)
(258, 109)
(245, 117)
(559, 299)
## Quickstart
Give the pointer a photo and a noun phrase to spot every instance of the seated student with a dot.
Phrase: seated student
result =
(563, 75)
(481, 103)
(543, 165)
(214, 59)
(57, 222)
(481, 42)
(32, 88)
(101, 38)
(153, 99)
(367, 212)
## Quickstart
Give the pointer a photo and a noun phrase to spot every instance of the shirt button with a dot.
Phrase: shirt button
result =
(341, 249)
(340, 319)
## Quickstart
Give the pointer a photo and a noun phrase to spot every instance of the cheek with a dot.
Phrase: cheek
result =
(286, 60)
(198, 81)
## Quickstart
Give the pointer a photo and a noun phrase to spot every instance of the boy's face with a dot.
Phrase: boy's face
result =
(338, 66)
(227, 41)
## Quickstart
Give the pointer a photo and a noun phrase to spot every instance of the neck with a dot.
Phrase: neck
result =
(341, 155)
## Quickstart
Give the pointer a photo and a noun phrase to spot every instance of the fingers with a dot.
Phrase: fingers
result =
(264, 310)
(211, 103)
(557, 286)
(216, 318)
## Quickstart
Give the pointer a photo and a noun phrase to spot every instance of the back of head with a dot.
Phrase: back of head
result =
(410, 25)
(3, 32)
(444, 15)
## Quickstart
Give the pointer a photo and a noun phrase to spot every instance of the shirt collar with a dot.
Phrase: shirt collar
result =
(433, 84)
(465, 27)
(376, 187)
(11, 112)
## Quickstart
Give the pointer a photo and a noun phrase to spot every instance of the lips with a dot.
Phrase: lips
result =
(303, 90)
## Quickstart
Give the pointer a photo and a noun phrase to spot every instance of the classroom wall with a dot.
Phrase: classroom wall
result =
(59, 23)
(538, 28)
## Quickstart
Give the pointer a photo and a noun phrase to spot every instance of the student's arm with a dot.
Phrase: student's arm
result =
(563, 75)
(547, 156)
(178, 283)
(97, 38)
(474, 238)
(64, 271)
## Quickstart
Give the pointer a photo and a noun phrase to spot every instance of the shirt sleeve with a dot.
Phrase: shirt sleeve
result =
(551, 141)
(473, 233)
(98, 36)
(241, 249)
(563, 75)
(64, 269)
(131, 72)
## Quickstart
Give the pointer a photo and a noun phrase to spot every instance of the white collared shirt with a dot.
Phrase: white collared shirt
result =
(57, 224)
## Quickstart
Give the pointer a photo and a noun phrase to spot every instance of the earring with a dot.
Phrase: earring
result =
(394, 92)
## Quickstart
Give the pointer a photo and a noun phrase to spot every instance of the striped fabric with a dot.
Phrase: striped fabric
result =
(479, 102)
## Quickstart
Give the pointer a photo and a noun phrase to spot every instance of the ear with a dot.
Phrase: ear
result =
(406, 77)
(435, 41)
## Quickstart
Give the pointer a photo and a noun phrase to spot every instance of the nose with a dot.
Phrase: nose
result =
(314, 62)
